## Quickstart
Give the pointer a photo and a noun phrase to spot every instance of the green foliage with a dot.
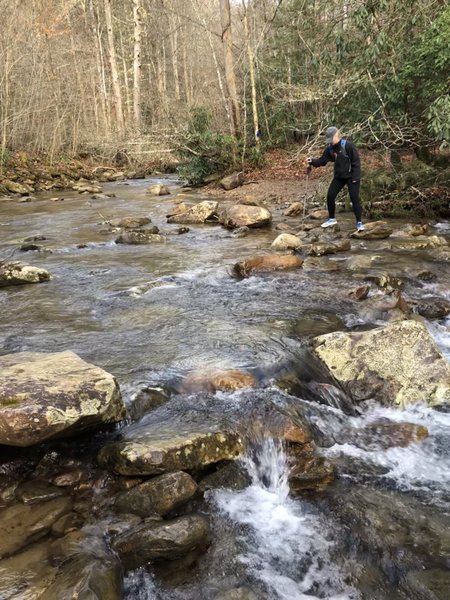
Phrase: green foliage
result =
(5, 157)
(204, 150)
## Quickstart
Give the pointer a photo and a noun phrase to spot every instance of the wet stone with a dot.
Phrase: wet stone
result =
(159, 495)
(267, 264)
(165, 540)
(429, 584)
(35, 490)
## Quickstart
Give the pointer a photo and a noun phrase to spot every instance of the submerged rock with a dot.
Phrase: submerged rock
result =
(240, 593)
(130, 222)
(322, 248)
(74, 566)
(241, 215)
(398, 364)
(141, 237)
(17, 274)
(266, 264)
(214, 380)
(159, 495)
(21, 524)
(203, 212)
(165, 540)
(43, 396)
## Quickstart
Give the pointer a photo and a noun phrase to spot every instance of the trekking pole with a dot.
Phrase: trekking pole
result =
(308, 171)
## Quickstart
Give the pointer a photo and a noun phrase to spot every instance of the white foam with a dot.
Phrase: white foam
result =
(284, 543)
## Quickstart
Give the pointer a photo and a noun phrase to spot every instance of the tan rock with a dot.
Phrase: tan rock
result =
(375, 230)
(295, 209)
(240, 215)
(232, 181)
(286, 241)
(217, 380)
(177, 209)
(323, 248)
(266, 264)
(18, 274)
(202, 212)
(43, 396)
(130, 222)
(318, 214)
(398, 364)
(158, 190)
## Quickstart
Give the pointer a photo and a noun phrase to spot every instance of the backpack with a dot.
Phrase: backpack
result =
(342, 167)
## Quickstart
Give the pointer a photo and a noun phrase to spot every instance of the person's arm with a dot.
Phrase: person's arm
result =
(355, 161)
(322, 161)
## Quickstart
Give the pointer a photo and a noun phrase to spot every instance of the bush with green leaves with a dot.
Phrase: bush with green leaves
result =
(203, 150)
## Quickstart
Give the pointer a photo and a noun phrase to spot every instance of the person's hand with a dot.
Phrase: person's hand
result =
(308, 161)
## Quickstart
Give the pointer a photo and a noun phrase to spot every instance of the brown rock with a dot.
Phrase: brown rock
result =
(217, 380)
(359, 293)
(232, 181)
(295, 209)
(322, 248)
(375, 230)
(158, 190)
(130, 222)
(267, 264)
(249, 216)
(203, 212)
(318, 214)
(141, 237)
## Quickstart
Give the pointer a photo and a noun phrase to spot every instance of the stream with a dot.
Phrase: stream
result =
(151, 314)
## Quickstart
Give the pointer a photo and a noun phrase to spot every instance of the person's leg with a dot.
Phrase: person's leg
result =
(335, 187)
(353, 189)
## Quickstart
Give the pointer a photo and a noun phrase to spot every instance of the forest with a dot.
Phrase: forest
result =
(218, 80)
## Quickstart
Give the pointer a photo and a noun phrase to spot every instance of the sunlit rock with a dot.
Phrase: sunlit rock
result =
(240, 215)
(286, 241)
(203, 212)
(14, 273)
(43, 396)
(398, 364)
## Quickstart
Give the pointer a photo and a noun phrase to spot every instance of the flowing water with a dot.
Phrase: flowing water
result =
(151, 314)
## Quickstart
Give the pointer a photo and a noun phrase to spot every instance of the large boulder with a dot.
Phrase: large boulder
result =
(159, 495)
(240, 215)
(43, 396)
(17, 188)
(164, 540)
(232, 181)
(398, 364)
(202, 212)
(158, 444)
(375, 230)
(18, 274)
(266, 264)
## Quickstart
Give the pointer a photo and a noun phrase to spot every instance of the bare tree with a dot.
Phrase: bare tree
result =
(227, 40)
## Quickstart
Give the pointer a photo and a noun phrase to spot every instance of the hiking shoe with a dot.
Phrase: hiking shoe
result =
(359, 226)
(329, 223)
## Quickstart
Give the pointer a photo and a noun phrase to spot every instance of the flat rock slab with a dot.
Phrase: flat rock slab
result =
(398, 364)
(43, 396)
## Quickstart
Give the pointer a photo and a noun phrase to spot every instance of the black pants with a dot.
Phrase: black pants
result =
(335, 187)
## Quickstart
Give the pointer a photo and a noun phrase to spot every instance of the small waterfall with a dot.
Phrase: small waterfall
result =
(284, 540)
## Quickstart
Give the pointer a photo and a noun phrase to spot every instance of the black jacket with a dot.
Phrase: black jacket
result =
(347, 163)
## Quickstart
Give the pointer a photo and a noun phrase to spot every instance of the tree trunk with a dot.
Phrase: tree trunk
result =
(251, 68)
(227, 40)
(137, 20)
(113, 64)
